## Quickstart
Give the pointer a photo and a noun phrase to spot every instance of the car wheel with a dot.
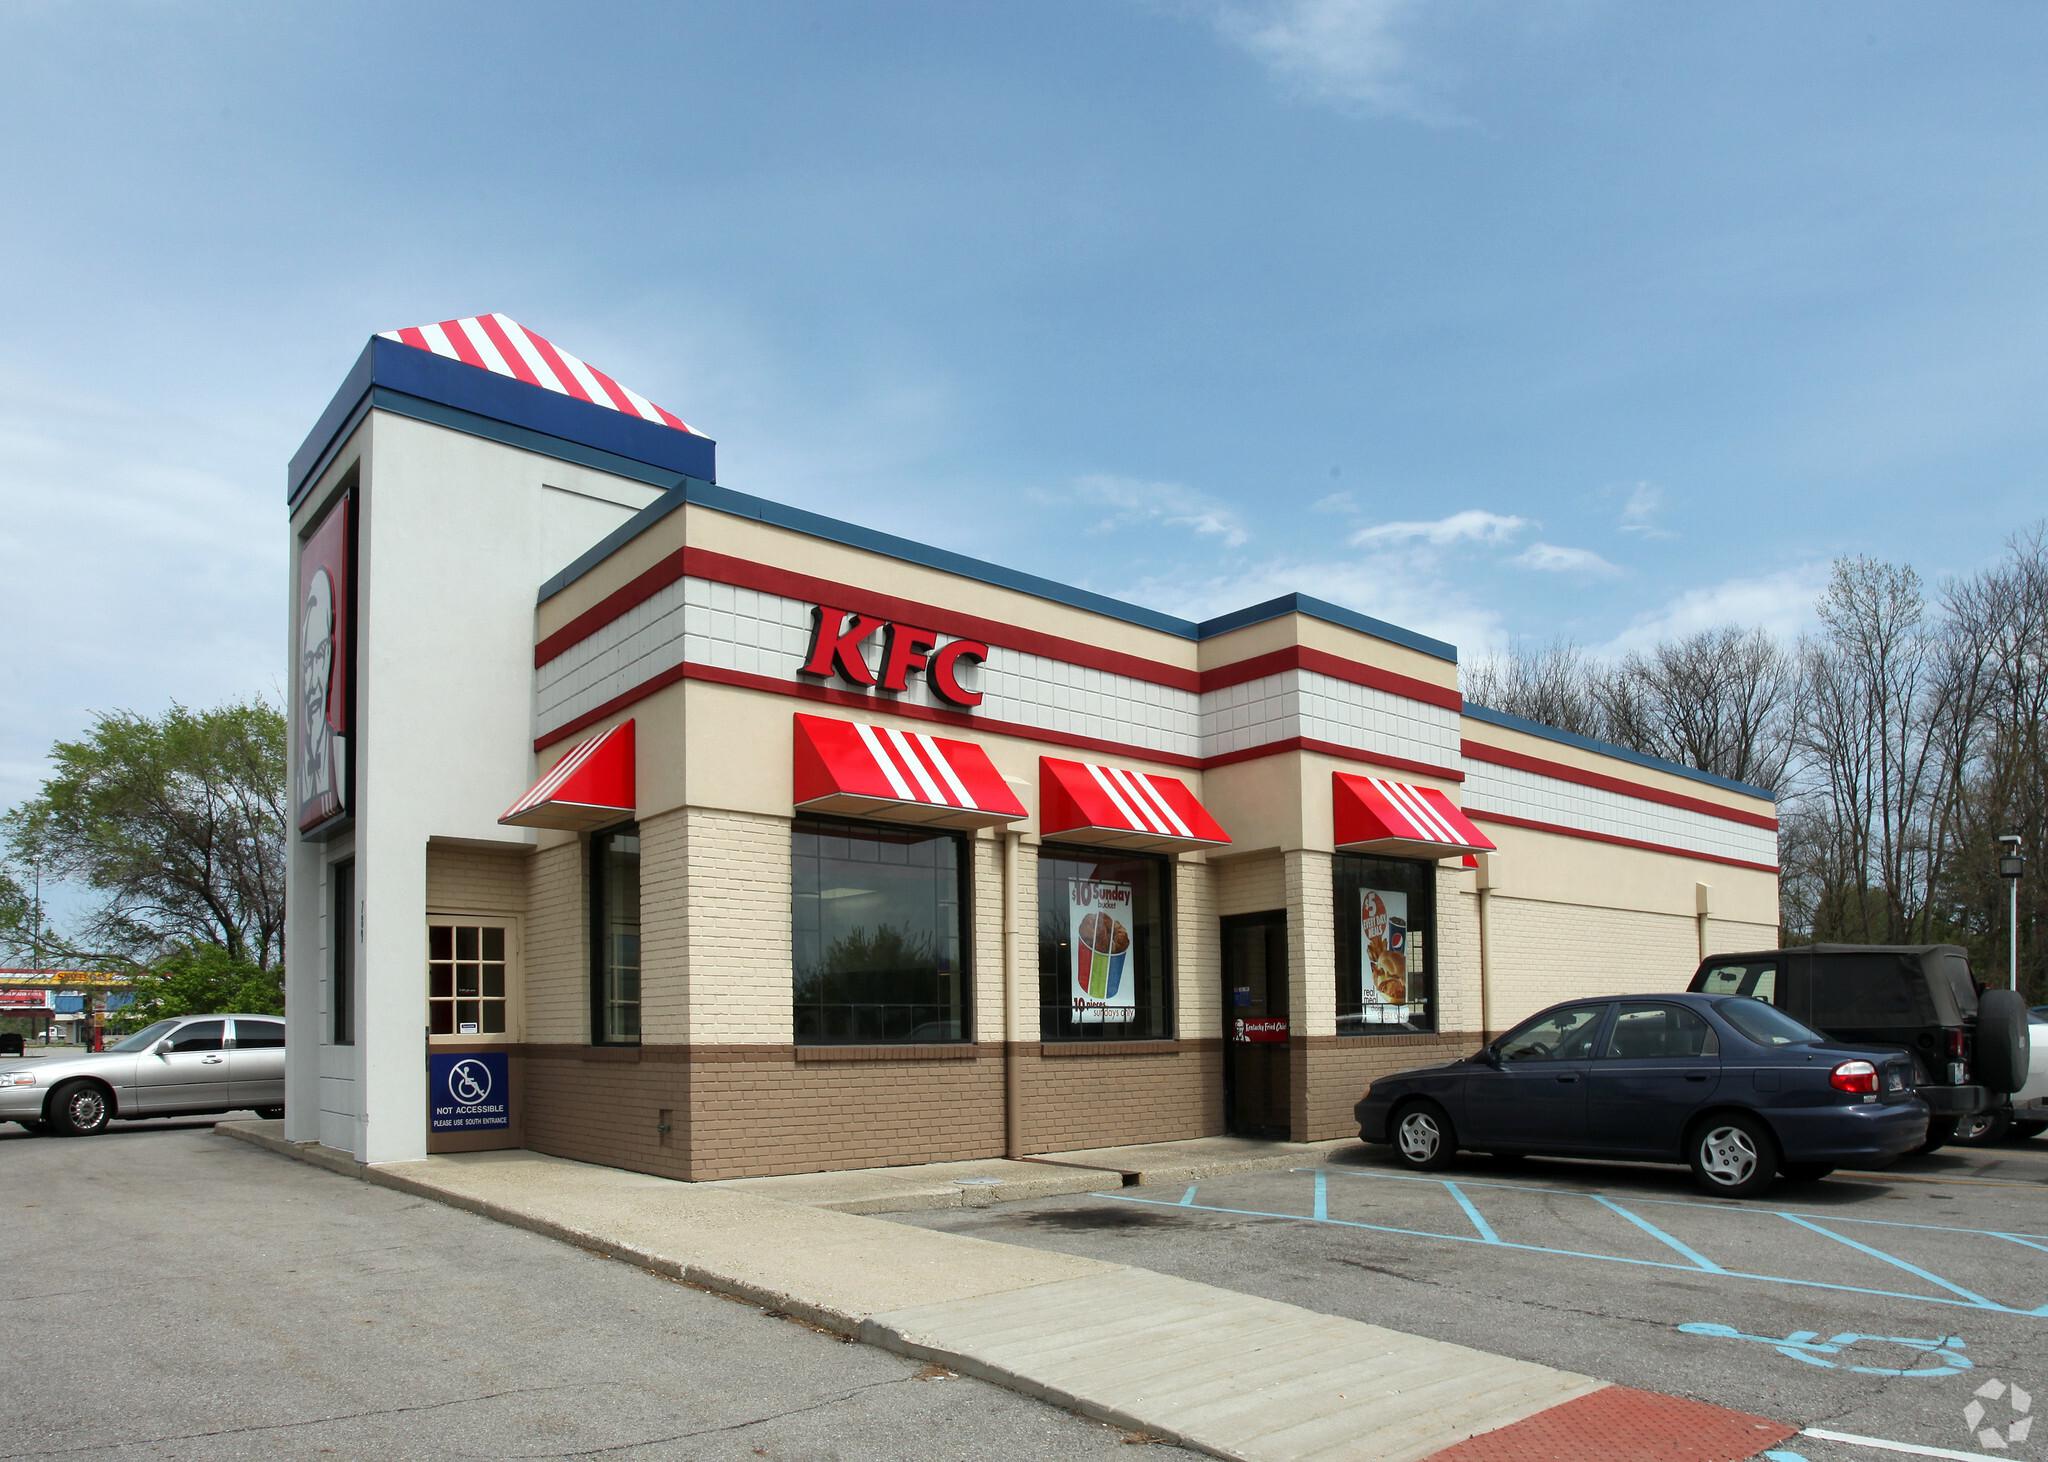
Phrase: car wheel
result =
(270, 1114)
(1983, 1129)
(1940, 1132)
(1423, 1137)
(1805, 1172)
(1733, 1156)
(2027, 1130)
(79, 1109)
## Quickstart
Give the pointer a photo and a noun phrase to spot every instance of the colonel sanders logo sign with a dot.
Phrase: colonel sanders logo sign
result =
(323, 671)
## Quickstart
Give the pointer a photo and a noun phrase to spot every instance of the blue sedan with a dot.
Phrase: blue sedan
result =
(1732, 1086)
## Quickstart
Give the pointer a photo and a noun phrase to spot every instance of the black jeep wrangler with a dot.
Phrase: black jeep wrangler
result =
(1969, 1044)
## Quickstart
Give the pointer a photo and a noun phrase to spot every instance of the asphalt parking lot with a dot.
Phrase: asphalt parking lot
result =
(171, 1293)
(1877, 1305)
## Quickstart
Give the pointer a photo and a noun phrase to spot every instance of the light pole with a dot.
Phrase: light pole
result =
(2010, 867)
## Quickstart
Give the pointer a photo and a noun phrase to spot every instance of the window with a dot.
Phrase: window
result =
(1386, 945)
(201, 1035)
(1757, 979)
(1559, 1035)
(1647, 1032)
(1765, 1026)
(465, 979)
(615, 937)
(877, 918)
(256, 1035)
(1870, 991)
(1104, 962)
(341, 969)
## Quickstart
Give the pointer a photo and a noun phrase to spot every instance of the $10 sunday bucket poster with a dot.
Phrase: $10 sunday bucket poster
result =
(1099, 935)
(1391, 953)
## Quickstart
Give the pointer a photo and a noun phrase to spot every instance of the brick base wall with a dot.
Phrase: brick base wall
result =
(1338, 1069)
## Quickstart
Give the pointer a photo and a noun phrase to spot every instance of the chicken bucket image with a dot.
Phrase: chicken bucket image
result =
(1098, 922)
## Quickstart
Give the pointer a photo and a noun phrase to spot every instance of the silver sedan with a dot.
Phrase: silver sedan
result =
(187, 1066)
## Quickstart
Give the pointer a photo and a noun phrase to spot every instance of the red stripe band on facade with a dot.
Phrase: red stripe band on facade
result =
(1563, 772)
(1575, 832)
(1331, 748)
(1322, 662)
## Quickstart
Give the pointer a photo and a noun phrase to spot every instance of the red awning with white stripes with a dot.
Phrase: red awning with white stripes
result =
(592, 785)
(1374, 815)
(906, 776)
(1114, 807)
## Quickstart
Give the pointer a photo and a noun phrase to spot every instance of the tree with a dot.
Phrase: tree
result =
(204, 979)
(178, 822)
(1554, 685)
(1719, 700)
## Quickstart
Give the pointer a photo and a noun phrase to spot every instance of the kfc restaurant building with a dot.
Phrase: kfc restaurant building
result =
(698, 835)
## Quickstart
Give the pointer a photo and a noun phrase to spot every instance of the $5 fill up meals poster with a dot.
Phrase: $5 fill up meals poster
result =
(1392, 956)
(1099, 939)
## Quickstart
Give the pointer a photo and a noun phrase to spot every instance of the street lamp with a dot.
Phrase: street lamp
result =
(2011, 866)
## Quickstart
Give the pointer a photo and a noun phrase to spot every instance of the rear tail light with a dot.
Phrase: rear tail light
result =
(1955, 1043)
(1854, 1076)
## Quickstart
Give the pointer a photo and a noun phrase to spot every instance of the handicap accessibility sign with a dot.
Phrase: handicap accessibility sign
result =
(468, 1092)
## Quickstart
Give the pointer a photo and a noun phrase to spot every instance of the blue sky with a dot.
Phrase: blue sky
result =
(1587, 318)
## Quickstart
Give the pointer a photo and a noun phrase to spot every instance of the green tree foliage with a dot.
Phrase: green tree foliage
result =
(177, 822)
(204, 980)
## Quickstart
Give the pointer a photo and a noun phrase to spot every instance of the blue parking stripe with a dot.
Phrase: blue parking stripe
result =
(1974, 1302)
(1660, 1236)
(2031, 1240)
(1975, 1299)
(1188, 1197)
(1486, 1233)
(1322, 1195)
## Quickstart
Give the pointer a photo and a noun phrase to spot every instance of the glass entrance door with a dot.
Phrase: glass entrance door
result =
(1255, 1024)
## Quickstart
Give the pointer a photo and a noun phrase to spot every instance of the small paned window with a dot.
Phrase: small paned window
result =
(201, 1035)
(341, 968)
(615, 935)
(1386, 945)
(878, 927)
(1651, 1032)
(256, 1035)
(465, 980)
(1104, 965)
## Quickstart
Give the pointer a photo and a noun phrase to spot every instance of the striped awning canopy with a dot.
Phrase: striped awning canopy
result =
(1114, 807)
(592, 785)
(855, 769)
(504, 346)
(1374, 815)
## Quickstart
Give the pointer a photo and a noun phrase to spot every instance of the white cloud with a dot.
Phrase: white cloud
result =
(1128, 502)
(1645, 501)
(1781, 603)
(1336, 502)
(1345, 52)
(1473, 525)
(1551, 559)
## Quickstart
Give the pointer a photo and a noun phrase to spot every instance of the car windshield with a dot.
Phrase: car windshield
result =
(1766, 1024)
(143, 1039)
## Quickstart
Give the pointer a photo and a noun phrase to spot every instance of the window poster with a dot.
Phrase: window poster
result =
(322, 710)
(1391, 984)
(1099, 938)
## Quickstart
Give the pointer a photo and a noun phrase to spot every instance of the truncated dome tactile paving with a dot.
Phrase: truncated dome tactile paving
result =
(1621, 1424)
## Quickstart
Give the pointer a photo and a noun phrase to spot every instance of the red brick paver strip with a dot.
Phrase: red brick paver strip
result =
(1621, 1424)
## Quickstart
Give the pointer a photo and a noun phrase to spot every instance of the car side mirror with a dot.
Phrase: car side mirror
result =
(1488, 1056)
(162, 1047)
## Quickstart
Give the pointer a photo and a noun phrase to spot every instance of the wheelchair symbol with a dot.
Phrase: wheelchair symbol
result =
(1807, 1346)
(469, 1082)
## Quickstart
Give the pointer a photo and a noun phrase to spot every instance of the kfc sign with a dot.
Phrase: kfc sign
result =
(838, 634)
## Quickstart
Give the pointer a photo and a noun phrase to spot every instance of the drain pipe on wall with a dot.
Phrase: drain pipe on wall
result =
(1483, 878)
(1013, 1073)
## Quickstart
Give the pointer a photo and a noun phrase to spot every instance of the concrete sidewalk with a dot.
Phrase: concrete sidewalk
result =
(998, 1180)
(1214, 1370)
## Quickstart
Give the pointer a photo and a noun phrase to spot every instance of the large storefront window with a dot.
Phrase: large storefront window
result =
(1103, 959)
(878, 919)
(1386, 945)
(615, 937)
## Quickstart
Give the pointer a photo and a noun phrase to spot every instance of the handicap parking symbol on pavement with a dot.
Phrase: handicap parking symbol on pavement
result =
(1946, 1352)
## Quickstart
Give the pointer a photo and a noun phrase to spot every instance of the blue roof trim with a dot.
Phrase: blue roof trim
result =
(1334, 614)
(485, 396)
(1608, 748)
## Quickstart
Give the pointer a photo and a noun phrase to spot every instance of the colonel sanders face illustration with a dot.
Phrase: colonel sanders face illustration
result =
(316, 674)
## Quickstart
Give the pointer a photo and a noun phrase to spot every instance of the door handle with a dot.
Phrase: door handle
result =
(1702, 1076)
(1568, 1078)
(209, 1060)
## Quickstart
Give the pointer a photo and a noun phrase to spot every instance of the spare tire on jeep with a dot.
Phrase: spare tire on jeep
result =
(2002, 1040)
